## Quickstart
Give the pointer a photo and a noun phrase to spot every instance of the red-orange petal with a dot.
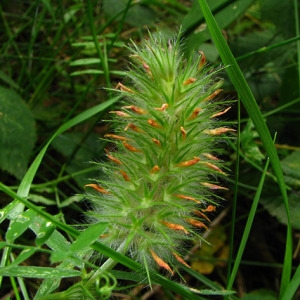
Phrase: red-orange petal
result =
(155, 169)
(122, 87)
(133, 127)
(189, 162)
(112, 158)
(180, 259)
(183, 133)
(147, 68)
(153, 123)
(189, 81)
(97, 188)
(218, 131)
(125, 176)
(174, 226)
(195, 113)
(202, 60)
(119, 113)
(163, 107)
(160, 262)
(213, 186)
(115, 136)
(187, 198)
(209, 208)
(136, 109)
(196, 223)
(210, 156)
(157, 142)
(220, 113)
(201, 215)
(214, 167)
(130, 147)
(213, 95)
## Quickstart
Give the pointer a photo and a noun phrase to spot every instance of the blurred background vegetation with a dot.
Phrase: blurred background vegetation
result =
(57, 58)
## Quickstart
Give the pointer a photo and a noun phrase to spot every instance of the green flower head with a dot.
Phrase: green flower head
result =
(159, 182)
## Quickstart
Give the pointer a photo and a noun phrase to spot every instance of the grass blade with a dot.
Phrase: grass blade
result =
(253, 110)
(247, 228)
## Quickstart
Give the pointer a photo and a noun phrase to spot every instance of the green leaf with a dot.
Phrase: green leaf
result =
(88, 237)
(275, 207)
(248, 145)
(9, 81)
(37, 272)
(138, 15)
(291, 165)
(25, 254)
(69, 142)
(224, 17)
(274, 204)
(46, 230)
(260, 295)
(85, 61)
(82, 243)
(93, 71)
(293, 286)
(19, 225)
(17, 133)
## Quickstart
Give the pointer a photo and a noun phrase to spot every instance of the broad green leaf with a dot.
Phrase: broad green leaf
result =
(25, 254)
(69, 142)
(17, 133)
(19, 225)
(274, 204)
(224, 17)
(275, 207)
(291, 165)
(137, 15)
(51, 284)
(83, 243)
(195, 16)
(37, 272)
(46, 230)
(88, 237)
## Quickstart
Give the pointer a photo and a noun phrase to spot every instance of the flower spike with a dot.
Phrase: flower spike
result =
(155, 187)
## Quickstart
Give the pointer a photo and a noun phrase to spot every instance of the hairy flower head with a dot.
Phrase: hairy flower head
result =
(158, 185)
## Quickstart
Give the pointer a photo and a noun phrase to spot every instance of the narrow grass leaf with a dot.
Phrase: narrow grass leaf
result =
(293, 286)
(254, 112)
(37, 272)
(247, 228)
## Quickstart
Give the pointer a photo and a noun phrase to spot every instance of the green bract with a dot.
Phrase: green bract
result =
(159, 181)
